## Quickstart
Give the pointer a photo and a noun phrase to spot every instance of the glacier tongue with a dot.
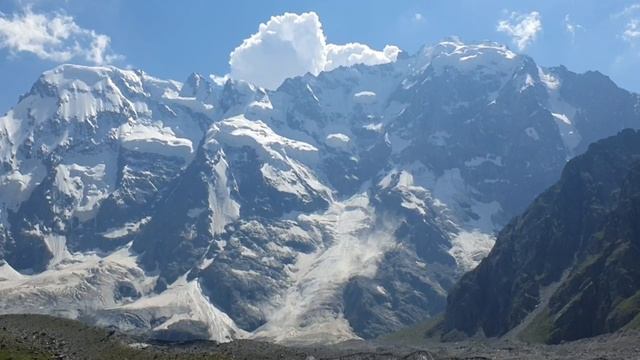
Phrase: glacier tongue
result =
(76, 285)
(182, 308)
(108, 290)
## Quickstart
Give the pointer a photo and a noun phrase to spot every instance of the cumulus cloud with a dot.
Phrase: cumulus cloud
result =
(54, 37)
(294, 44)
(285, 46)
(522, 28)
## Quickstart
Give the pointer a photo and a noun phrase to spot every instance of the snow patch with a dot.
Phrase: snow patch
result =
(17, 185)
(527, 83)
(285, 181)
(126, 230)
(470, 247)
(154, 139)
(568, 132)
(365, 97)
(479, 160)
(88, 183)
(563, 113)
(191, 103)
(338, 141)
(381, 290)
(550, 81)
(375, 127)
(450, 190)
(239, 131)
(224, 209)
(413, 196)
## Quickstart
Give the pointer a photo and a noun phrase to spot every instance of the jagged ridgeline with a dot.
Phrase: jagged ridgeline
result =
(569, 266)
(339, 206)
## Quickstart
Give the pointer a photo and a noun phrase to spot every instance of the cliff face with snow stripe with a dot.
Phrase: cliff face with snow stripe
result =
(566, 268)
(338, 206)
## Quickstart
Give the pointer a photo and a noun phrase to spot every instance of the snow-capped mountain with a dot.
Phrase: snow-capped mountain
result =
(338, 206)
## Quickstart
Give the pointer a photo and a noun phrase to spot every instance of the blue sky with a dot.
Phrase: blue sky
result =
(171, 39)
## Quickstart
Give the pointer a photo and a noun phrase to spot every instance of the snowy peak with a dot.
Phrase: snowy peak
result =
(220, 97)
(68, 80)
(452, 53)
(95, 101)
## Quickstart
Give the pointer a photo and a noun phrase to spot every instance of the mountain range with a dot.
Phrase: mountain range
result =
(338, 206)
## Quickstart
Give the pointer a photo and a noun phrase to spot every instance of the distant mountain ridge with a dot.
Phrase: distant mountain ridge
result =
(339, 206)
(568, 267)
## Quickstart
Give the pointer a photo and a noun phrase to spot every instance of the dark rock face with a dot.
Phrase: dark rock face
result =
(173, 241)
(580, 239)
(238, 280)
(140, 182)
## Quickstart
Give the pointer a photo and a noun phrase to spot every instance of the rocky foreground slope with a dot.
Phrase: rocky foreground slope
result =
(569, 266)
(339, 206)
(44, 337)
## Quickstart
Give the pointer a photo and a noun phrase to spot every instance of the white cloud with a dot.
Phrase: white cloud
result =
(571, 27)
(355, 53)
(632, 31)
(287, 45)
(294, 44)
(628, 11)
(418, 17)
(54, 37)
(522, 28)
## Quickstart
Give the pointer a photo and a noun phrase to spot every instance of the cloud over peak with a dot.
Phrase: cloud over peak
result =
(356, 53)
(54, 37)
(522, 28)
(285, 46)
(290, 45)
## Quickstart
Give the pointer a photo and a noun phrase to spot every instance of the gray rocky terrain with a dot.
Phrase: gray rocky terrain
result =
(45, 337)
